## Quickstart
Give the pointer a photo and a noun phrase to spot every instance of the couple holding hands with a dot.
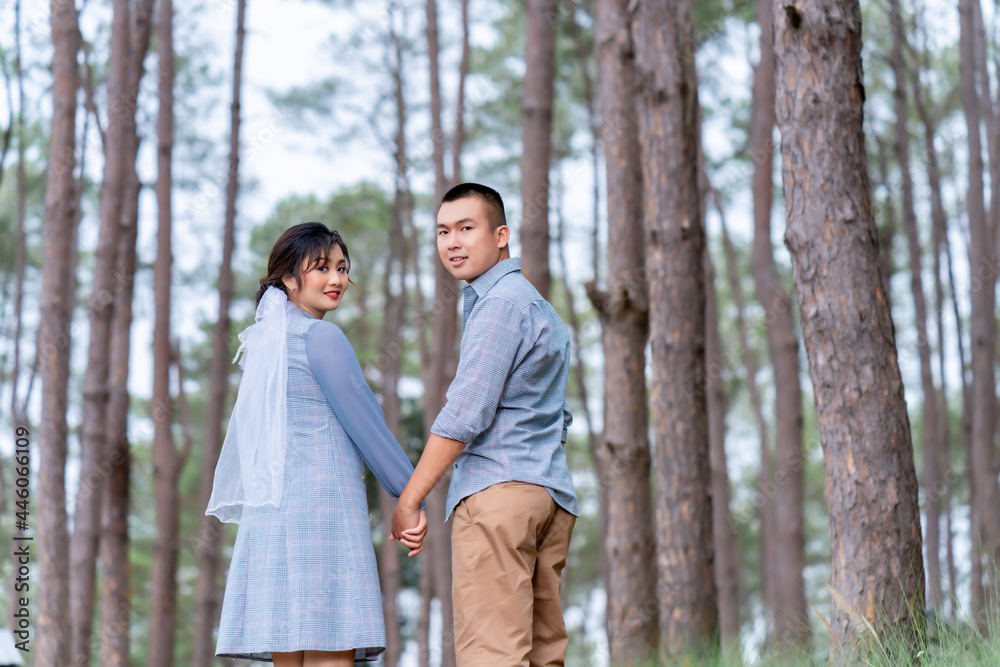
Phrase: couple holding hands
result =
(303, 586)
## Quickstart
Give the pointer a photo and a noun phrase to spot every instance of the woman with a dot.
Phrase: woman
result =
(303, 587)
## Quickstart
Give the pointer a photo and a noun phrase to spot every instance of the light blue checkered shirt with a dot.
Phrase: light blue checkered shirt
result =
(508, 399)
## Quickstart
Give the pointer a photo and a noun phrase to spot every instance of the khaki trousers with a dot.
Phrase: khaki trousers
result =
(509, 546)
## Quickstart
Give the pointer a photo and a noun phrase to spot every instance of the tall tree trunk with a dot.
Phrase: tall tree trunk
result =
(727, 560)
(939, 231)
(210, 539)
(932, 500)
(20, 251)
(424, 617)
(85, 537)
(105, 287)
(580, 378)
(17, 412)
(887, 231)
(8, 134)
(54, 345)
(390, 361)
(116, 605)
(791, 624)
(594, 123)
(458, 138)
(629, 544)
(990, 118)
(439, 373)
(982, 322)
(166, 466)
(579, 368)
(667, 109)
(390, 571)
(977, 593)
(871, 484)
(766, 484)
(536, 155)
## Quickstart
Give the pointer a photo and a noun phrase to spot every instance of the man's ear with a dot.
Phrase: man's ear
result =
(503, 236)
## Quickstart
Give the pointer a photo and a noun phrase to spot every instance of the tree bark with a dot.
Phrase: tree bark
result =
(211, 529)
(390, 360)
(629, 544)
(424, 616)
(594, 124)
(887, 231)
(166, 463)
(85, 540)
(18, 416)
(106, 285)
(580, 380)
(727, 561)
(871, 484)
(458, 139)
(977, 593)
(932, 499)
(536, 156)
(116, 605)
(440, 371)
(991, 118)
(667, 109)
(939, 231)
(8, 134)
(54, 340)
(791, 624)
(766, 485)
(982, 321)
(20, 251)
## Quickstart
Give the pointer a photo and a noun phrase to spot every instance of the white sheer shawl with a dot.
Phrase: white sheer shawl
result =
(251, 468)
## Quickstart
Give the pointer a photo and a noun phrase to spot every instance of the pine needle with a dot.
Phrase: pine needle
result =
(828, 627)
(859, 622)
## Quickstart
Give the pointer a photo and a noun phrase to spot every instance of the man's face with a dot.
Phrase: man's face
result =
(465, 242)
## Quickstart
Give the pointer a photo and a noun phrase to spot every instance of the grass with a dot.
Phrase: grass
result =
(940, 644)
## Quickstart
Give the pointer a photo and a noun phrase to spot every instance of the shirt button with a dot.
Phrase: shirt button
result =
(456, 466)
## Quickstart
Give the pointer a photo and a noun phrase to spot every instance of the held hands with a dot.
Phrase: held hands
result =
(412, 537)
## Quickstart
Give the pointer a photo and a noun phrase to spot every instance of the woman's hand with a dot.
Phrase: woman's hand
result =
(412, 538)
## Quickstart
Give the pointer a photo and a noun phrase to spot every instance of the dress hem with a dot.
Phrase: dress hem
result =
(367, 654)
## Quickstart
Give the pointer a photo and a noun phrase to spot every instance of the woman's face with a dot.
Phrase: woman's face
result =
(322, 286)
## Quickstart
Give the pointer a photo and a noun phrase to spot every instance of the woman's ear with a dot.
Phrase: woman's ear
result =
(289, 282)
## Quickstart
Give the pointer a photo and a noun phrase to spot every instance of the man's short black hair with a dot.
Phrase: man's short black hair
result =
(490, 198)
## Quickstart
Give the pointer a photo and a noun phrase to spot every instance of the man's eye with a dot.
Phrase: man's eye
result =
(466, 227)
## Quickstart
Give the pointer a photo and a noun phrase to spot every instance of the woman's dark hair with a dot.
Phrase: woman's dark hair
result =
(308, 243)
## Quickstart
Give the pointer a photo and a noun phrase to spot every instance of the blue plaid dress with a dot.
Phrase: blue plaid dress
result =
(303, 576)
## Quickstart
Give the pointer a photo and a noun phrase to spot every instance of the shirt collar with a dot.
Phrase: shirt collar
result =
(488, 280)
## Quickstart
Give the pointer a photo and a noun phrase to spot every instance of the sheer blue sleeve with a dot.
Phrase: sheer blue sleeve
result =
(336, 367)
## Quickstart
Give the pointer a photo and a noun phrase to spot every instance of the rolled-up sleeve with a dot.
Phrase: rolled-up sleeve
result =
(333, 362)
(490, 344)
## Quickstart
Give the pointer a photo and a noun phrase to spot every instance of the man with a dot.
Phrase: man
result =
(504, 429)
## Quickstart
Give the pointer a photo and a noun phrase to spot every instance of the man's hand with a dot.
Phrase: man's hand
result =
(409, 526)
